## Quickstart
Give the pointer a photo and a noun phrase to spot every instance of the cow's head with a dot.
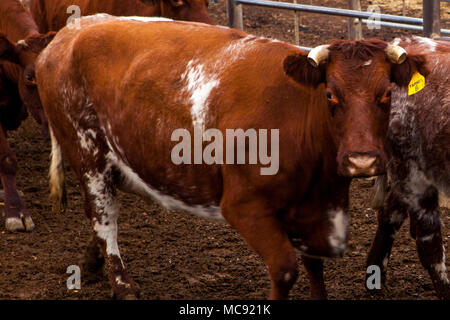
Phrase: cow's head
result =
(187, 10)
(26, 52)
(12, 111)
(358, 77)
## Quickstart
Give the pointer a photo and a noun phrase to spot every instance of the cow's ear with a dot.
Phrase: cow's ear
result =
(36, 43)
(7, 51)
(401, 74)
(298, 68)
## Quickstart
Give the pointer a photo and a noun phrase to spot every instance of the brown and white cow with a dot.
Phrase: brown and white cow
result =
(20, 45)
(116, 90)
(52, 15)
(419, 165)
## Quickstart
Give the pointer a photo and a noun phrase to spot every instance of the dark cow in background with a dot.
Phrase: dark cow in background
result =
(20, 44)
(52, 15)
(419, 165)
(117, 89)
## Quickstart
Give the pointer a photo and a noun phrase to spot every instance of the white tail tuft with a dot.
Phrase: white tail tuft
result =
(57, 177)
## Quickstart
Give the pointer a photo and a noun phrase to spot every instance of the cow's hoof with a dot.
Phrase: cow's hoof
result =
(129, 291)
(59, 205)
(124, 296)
(442, 289)
(29, 224)
(14, 224)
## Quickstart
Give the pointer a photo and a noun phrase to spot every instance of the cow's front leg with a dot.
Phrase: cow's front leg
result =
(17, 217)
(262, 230)
(314, 268)
(103, 210)
(426, 229)
(390, 219)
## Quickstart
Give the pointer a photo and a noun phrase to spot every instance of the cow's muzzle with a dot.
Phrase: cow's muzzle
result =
(365, 164)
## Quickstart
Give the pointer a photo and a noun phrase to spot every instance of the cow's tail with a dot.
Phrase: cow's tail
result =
(379, 192)
(57, 178)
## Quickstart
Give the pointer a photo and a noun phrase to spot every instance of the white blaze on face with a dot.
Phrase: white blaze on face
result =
(338, 235)
(199, 85)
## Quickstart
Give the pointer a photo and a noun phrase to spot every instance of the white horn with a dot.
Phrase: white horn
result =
(396, 54)
(23, 44)
(318, 54)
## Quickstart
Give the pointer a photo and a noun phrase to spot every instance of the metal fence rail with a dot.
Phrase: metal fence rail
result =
(330, 11)
(401, 26)
(429, 25)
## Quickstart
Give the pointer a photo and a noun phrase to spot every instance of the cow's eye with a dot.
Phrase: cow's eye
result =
(331, 97)
(385, 98)
(177, 3)
(29, 77)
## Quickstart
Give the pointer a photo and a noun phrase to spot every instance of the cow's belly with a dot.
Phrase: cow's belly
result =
(196, 192)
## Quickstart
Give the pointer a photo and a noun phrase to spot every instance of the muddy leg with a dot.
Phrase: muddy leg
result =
(93, 261)
(314, 268)
(426, 229)
(16, 215)
(390, 219)
(103, 210)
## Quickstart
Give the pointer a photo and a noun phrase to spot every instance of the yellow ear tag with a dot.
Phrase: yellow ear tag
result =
(417, 83)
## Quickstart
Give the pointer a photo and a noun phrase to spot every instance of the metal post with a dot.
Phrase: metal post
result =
(354, 24)
(234, 11)
(431, 18)
(296, 27)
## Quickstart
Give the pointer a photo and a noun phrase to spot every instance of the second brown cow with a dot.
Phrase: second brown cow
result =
(53, 15)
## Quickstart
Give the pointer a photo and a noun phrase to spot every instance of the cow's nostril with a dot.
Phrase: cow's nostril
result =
(362, 162)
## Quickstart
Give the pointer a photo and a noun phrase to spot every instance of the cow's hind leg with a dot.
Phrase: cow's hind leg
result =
(390, 218)
(16, 215)
(103, 210)
(93, 261)
(426, 229)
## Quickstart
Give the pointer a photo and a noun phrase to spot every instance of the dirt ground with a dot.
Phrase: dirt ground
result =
(175, 255)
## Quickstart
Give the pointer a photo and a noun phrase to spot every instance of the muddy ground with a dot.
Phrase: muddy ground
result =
(174, 255)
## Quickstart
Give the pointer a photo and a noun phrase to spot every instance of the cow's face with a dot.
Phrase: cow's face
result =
(358, 78)
(12, 111)
(187, 10)
(27, 52)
